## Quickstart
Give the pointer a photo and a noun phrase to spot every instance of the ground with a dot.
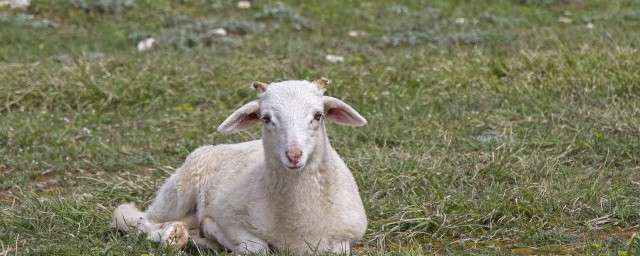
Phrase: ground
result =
(495, 127)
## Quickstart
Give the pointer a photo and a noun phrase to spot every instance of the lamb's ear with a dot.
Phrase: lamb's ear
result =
(241, 119)
(341, 113)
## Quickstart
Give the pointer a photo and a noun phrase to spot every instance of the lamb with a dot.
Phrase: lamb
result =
(289, 191)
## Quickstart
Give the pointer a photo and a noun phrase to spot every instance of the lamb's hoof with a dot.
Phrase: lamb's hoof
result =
(175, 234)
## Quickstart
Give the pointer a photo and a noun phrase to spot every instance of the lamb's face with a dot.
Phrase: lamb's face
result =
(292, 113)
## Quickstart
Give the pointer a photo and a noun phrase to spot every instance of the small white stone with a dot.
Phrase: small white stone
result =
(334, 58)
(565, 20)
(589, 25)
(219, 32)
(244, 4)
(357, 33)
(22, 4)
(146, 44)
(460, 20)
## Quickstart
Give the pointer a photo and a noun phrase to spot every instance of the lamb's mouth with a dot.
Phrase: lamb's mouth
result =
(294, 167)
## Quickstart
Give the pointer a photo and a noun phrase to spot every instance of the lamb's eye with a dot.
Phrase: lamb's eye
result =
(318, 116)
(266, 119)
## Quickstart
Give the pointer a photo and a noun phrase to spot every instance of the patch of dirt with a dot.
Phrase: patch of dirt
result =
(46, 178)
(619, 233)
(7, 199)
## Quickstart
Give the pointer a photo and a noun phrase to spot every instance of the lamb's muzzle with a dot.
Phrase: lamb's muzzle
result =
(293, 155)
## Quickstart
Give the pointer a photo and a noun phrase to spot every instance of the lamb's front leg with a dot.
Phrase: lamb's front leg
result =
(233, 237)
(127, 217)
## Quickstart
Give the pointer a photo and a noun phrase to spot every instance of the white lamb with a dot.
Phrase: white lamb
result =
(289, 190)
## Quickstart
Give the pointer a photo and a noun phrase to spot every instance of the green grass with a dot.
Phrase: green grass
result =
(513, 131)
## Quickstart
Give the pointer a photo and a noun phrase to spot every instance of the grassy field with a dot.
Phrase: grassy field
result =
(495, 127)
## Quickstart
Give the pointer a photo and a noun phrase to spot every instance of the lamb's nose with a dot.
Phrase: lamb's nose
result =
(294, 154)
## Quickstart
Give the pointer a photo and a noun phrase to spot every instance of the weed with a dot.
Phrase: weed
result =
(26, 20)
(283, 13)
(117, 7)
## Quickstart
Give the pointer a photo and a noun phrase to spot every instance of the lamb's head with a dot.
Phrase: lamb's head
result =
(293, 113)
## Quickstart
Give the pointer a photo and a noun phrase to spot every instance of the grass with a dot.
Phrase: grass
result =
(495, 127)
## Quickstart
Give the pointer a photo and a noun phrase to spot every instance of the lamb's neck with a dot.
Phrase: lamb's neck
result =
(303, 190)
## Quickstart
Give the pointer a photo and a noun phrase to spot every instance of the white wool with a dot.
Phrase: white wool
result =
(290, 189)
